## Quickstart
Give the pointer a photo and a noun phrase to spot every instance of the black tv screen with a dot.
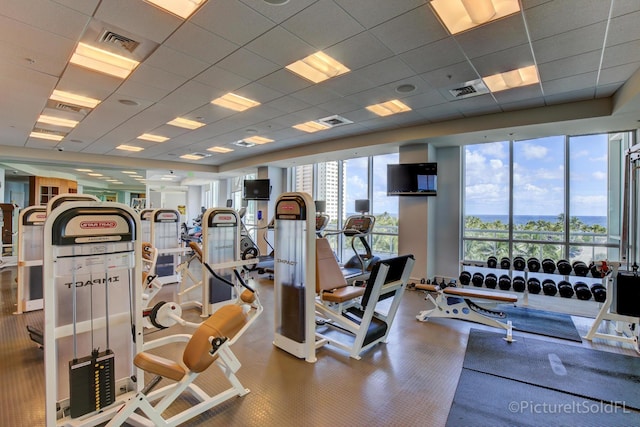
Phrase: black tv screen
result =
(412, 179)
(256, 189)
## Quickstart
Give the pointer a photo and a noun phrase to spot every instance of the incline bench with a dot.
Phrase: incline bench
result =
(455, 303)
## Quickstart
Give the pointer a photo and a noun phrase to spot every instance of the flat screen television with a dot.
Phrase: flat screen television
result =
(256, 189)
(412, 179)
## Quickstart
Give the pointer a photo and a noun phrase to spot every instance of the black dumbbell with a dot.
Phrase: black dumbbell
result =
(504, 282)
(580, 268)
(477, 279)
(599, 292)
(582, 290)
(491, 281)
(518, 284)
(595, 271)
(505, 263)
(465, 278)
(492, 262)
(564, 267)
(533, 285)
(549, 287)
(533, 264)
(519, 263)
(565, 289)
(548, 266)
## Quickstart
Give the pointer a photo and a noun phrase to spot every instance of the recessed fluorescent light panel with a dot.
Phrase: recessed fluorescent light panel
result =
(461, 15)
(46, 135)
(310, 127)
(512, 79)
(94, 174)
(132, 148)
(72, 98)
(258, 140)
(318, 67)
(191, 157)
(181, 8)
(388, 108)
(84, 170)
(220, 149)
(185, 123)
(103, 61)
(235, 102)
(153, 138)
(57, 121)
(130, 172)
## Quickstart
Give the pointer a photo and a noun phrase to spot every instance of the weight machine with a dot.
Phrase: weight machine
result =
(622, 304)
(93, 312)
(165, 237)
(30, 253)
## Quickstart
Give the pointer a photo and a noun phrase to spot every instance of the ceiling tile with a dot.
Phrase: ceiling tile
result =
(232, 20)
(504, 60)
(192, 95)
(570, 96)
(350, 83)
(284, 81)
(370, 13)
(518, 94)
(567, 66)
(388, 70)
(281, 47)
(496, 36)
(569, 84)
(47, 16)
(288, 104)
(166, 59)
(617, 74)
(523, 104)
(451, 76)
(193, 40)
(570, 43)
(621, 54)
(410, 30)
(221, 79)
(278, 13)
(427, 99)
(359, 51)
(557, 17)
(433, 56)
(248, 65)
(315, 95)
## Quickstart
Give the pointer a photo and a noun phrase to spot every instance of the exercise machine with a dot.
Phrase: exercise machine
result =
(165, 237)
(464, 303)
(322, 219)
(250, 250)
(358, 227)
(30, 253)
(145, 224)
(294, 275)
(93, 313)
(367, 322)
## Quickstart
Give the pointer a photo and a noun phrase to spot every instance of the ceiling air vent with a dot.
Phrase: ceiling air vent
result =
(119, 41)
(469, 89)
(243, 143)
(201, 154)
(333, 121)
(68, 107)
(49, 132)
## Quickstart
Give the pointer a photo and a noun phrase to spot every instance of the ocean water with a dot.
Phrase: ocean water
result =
(523, 219)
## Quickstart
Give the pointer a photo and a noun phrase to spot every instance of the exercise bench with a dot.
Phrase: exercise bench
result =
(457, 303)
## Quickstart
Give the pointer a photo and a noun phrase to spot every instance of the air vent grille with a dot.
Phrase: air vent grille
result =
(68, 107)
(243, 143)
(469, 89)
(333, 121)
(119, 41)
(201, 154)
(48, 132)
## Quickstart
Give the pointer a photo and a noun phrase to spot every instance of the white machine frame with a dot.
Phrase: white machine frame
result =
(30, 218)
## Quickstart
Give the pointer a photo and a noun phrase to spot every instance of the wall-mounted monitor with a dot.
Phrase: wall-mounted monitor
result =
(412, 179)
(256, 189)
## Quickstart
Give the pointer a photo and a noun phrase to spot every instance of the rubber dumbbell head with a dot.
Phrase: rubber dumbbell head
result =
(492, 262)
(504, 282)
(465, 278)
(548, 266)
(518, 284)
(477, 279)
(519, 263)
(549, 287)
(582, 291)
(599, 292)
(533, 285)
(505, 263)
(564, 267)
(580, 269)
(595, 271)
(565, 289)
(533, 264)
(491, 281)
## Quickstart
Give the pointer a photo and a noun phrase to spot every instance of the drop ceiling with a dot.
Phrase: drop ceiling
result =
(587, 53)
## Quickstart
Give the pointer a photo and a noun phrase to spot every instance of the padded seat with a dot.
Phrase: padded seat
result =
(470, 293)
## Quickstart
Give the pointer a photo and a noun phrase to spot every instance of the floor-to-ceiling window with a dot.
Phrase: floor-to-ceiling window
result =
(555, 197)
(385, 208)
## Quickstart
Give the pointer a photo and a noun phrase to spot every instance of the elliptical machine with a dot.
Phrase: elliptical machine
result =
(359, 266)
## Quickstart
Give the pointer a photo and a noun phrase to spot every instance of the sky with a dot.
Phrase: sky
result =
(356, 184)
(538, 176)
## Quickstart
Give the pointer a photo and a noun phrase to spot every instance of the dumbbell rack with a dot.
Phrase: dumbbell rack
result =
(526, 274)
